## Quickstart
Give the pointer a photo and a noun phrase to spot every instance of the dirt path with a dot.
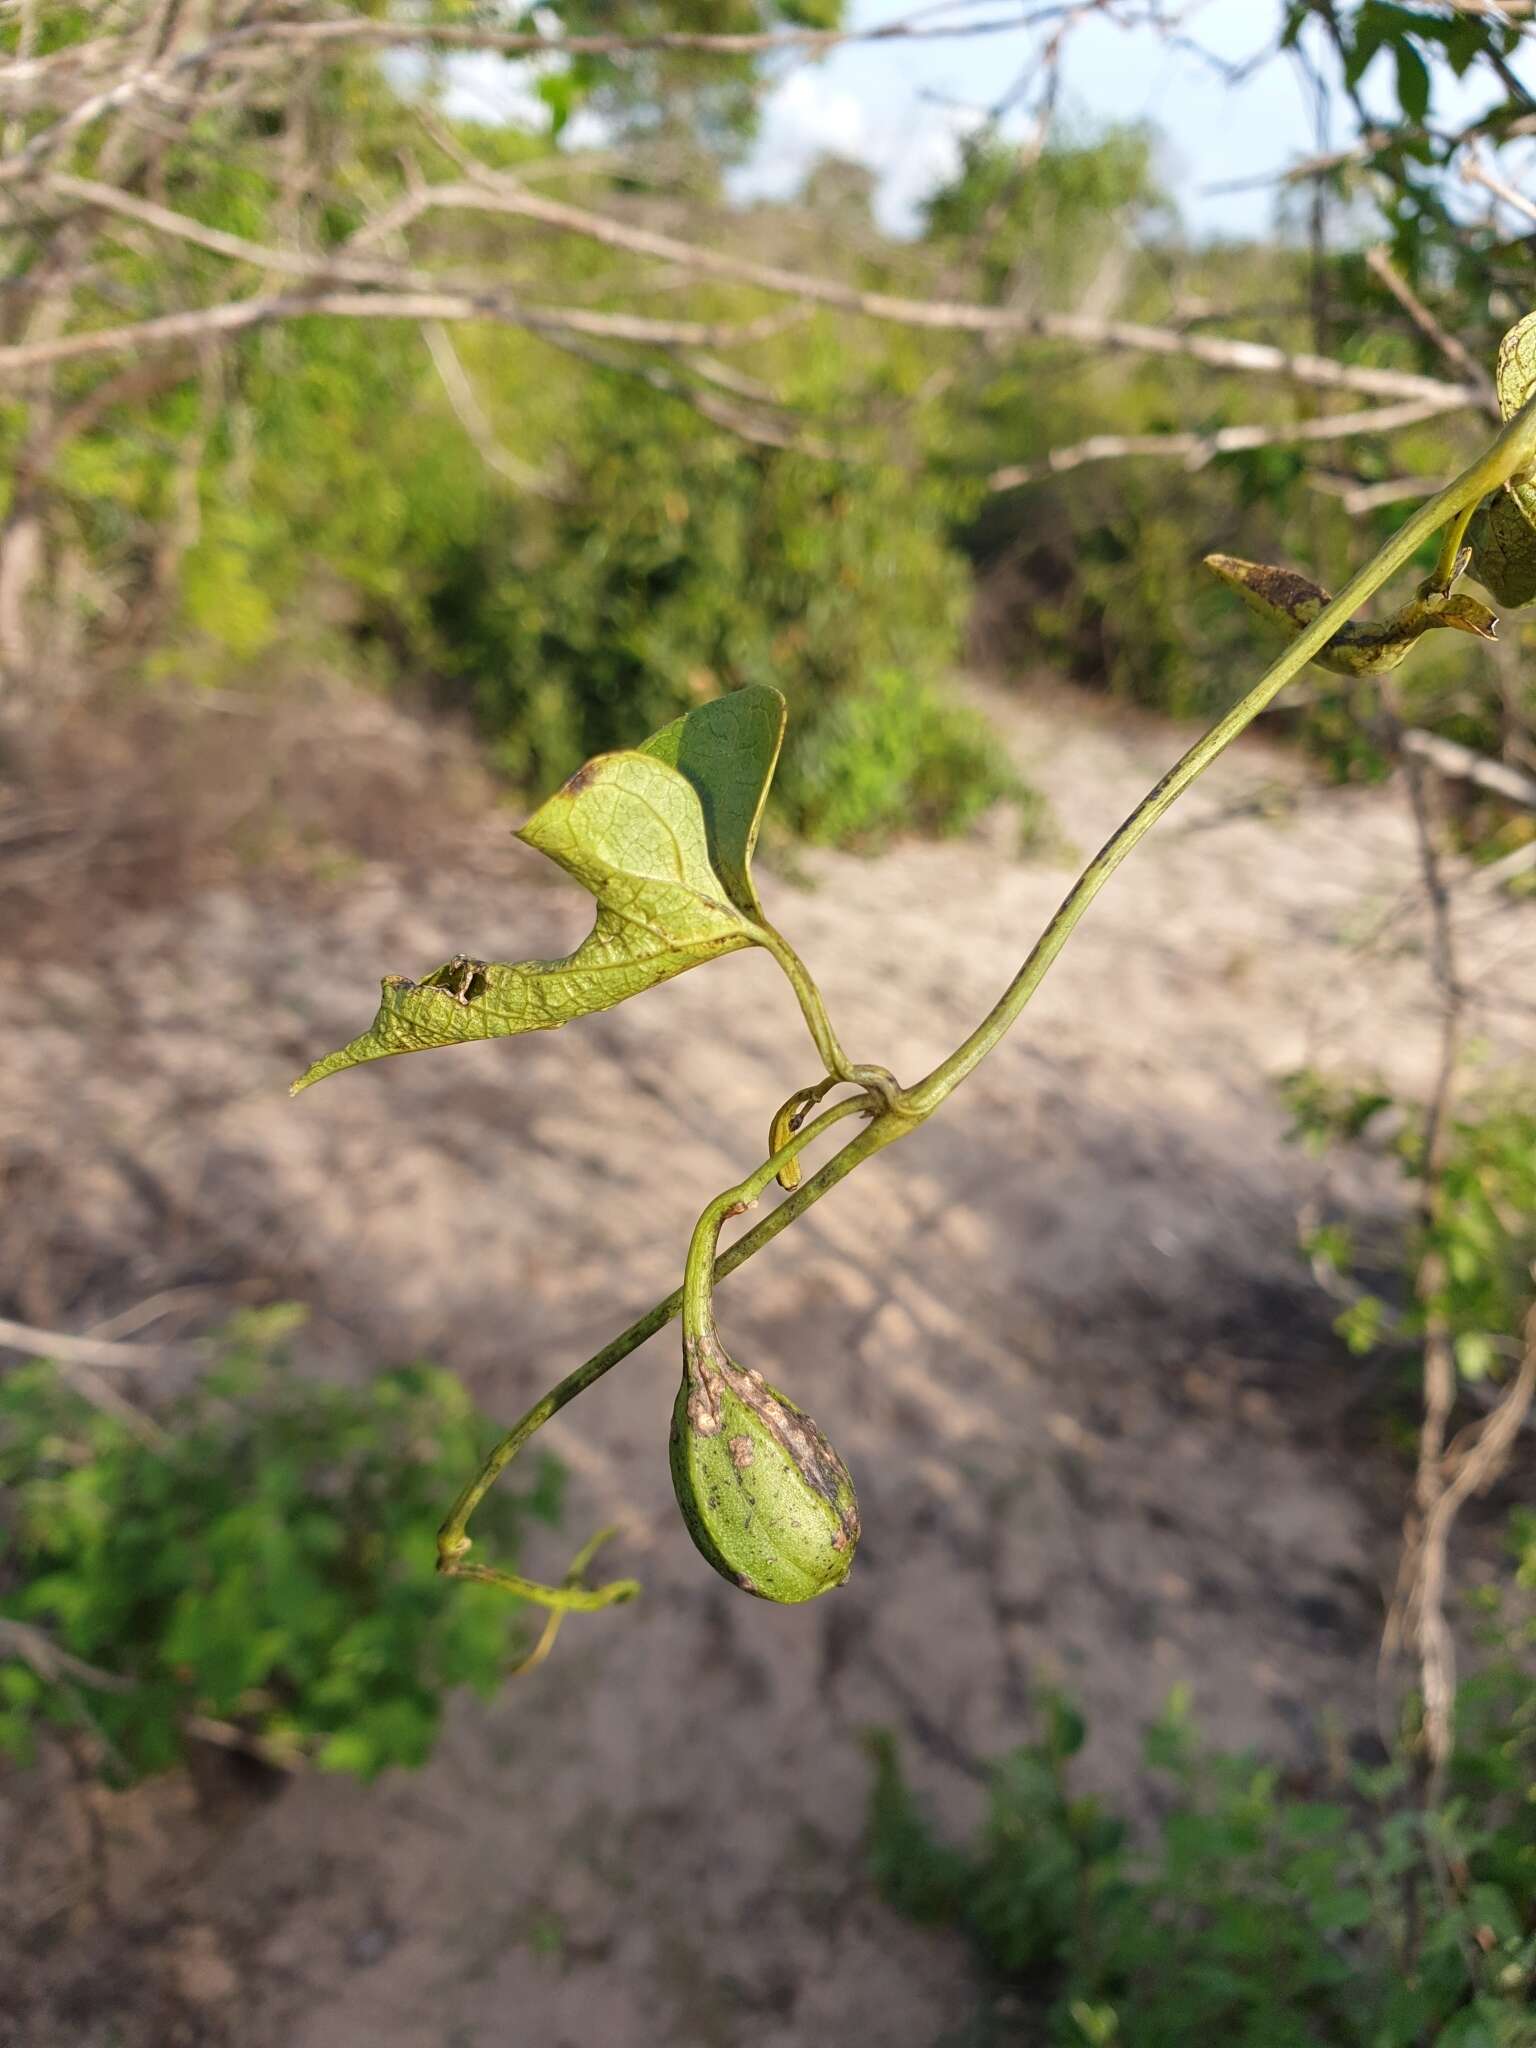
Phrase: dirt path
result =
(1061, 1336)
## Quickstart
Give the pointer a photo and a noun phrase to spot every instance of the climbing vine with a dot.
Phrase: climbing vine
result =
(662, 836)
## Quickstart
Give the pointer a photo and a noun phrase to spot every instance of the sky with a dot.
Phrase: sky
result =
(903, 108)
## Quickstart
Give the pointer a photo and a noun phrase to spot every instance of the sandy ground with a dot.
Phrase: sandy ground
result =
(1062, 1336)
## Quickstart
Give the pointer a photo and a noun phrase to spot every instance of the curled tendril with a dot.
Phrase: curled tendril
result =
(788, 1118)
(556, 1615)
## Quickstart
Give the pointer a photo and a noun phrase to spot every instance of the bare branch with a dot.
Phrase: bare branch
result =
(1487, 881)
(1455, 351)
(754, 427)
(1475, 172)
(1470, 1466)
(1463, 764)
(57, 1344)
(287, 262)
(489, 192)
(1419, 1606)
(492, 193)
(180, 1301)
(471, 415)
(12, 135)
(260, 38)
(36, 1647)
(1196, 450)
(1357, 497)
(239, 314)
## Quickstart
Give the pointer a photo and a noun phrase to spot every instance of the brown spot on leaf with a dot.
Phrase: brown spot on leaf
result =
(796, 1434)
(742, 1452)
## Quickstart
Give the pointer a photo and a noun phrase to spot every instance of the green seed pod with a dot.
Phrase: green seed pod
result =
(766, 1499)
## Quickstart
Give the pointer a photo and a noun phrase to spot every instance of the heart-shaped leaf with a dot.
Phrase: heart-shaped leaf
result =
(632, 829)
(728, 749)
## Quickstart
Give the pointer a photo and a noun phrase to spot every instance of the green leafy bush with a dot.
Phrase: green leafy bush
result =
(892, 754)
(266, 1561)
(1484, 1229)
(674, 566)
(1094, 569)
(1259, 1918)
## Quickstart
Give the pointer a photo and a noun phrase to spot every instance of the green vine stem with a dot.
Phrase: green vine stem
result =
(1453, 557)
(1513, 450)
(896, 1112)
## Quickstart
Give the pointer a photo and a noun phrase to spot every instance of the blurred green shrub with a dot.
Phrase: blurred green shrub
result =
(1095, 572)
(629, 558)
(895, 754)
(1484, 1228)
(1258, 1918)
(675, 565)
(264, 1559)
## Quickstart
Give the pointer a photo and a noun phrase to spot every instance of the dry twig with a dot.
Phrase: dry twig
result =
(1455, 351)
(1196, 450)
(90, 1351)
(34, 1646)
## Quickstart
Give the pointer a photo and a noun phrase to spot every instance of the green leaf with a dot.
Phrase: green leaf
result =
(728, 750)
(1476, 1354)
(631, 829)
(1515, 372)
(350, 1750)
(1341, 1910)
(1362, 1324)
(1412, 81)
(1370, 33)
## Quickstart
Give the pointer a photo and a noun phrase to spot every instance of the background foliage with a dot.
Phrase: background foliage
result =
(314, 495)
(590, 552)
(262, 1558)
(1259, 1914)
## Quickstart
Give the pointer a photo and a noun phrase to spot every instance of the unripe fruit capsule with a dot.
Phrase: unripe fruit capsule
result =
(766, 1499)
